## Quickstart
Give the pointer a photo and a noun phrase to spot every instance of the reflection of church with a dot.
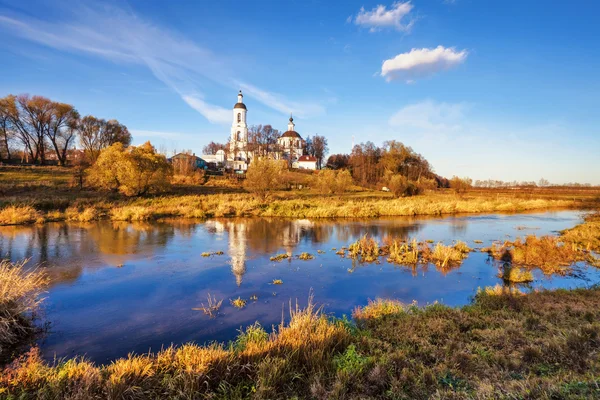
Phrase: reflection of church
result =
(290, 145)
(239, 234)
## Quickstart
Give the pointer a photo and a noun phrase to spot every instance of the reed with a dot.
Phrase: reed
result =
(212, 308)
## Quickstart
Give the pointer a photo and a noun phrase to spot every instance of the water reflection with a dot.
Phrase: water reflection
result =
(105, 312)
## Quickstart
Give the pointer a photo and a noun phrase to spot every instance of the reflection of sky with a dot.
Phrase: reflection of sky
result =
(98, 309)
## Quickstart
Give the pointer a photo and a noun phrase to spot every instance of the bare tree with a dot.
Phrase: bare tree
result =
(319, 149)
(96, 134)
(6, 133)
(61, 129)
(213, 147)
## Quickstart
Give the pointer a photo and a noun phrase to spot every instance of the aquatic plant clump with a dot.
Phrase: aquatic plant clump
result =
(280, 257)
(277, 282)
(365, 249)
(238, 303)
(306, 256)
(212, 309)
(550, 254)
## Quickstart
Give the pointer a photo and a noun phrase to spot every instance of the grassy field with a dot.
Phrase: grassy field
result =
(503, 345)
(35, 194)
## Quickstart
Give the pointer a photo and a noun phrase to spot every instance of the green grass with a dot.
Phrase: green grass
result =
(503, 345)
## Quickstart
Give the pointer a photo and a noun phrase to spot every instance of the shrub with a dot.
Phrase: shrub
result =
(400, 186)
(132, 171)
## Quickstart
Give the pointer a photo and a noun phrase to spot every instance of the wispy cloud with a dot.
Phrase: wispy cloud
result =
(396, 17)
(121, 36)
(419, 63)
(431, 117)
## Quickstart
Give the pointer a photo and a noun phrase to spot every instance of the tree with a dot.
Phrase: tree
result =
(543, 182)
(6, 133)
(213, 147)
(338, 161)
(61, 129)
(319, 149)
(29, 117)
(96, 134)
(330, 181)
(133, 171)
(265, 175)
(461, 185)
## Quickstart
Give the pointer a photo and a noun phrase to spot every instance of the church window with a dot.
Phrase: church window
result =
(239, 117)
(239, 136)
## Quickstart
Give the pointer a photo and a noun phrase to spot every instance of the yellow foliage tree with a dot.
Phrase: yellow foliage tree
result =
(330, 181)
(133, 171)
(265, 175)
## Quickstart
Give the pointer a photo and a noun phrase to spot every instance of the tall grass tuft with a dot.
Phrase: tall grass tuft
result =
(19, 215)
(19, 298)
(365, 249)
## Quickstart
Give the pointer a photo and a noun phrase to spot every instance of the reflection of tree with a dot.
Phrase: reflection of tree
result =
(458, 226)
(64, 248)
(121, 238)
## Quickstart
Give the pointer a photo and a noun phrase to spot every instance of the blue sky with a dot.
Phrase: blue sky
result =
(487, 89)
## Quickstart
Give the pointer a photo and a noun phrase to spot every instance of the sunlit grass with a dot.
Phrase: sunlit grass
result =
(366, 249)
(19, 215)
(19, 297)
(306, 256)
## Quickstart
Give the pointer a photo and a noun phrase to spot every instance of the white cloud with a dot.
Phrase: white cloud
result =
(419, 63)
(381, 17)
(430, 117)
(120, 36)
(215, 114)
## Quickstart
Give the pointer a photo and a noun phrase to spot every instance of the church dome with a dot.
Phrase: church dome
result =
(240, 105)
(291, 134)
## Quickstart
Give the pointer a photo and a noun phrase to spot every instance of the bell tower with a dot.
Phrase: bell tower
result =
(239, 131)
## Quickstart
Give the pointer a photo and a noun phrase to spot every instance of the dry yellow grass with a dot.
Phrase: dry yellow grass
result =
(19, 297)
(19, 215)
(297, 205)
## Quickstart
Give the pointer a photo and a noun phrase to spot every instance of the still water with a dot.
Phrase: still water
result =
(121, 287)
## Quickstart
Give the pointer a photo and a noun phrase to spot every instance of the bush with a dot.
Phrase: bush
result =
(400, 186)
(330, 181)
(460, 185)
(133, 171)
(265, 175)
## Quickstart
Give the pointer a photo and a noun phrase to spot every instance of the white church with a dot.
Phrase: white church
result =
(290, 147)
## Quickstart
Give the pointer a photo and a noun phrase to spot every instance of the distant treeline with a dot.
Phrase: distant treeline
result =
(373, 166)
(37, 130)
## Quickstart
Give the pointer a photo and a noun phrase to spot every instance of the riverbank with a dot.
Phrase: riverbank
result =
(540, 345)
(281, 205)
(45, 194)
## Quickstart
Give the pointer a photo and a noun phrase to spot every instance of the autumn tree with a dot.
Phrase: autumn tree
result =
(338, 161)
(316, 146)
(133, 171)
(332, 182)
(29, 117)
(213, 147)
(461, 185)
(264, 176)
(96, 134)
